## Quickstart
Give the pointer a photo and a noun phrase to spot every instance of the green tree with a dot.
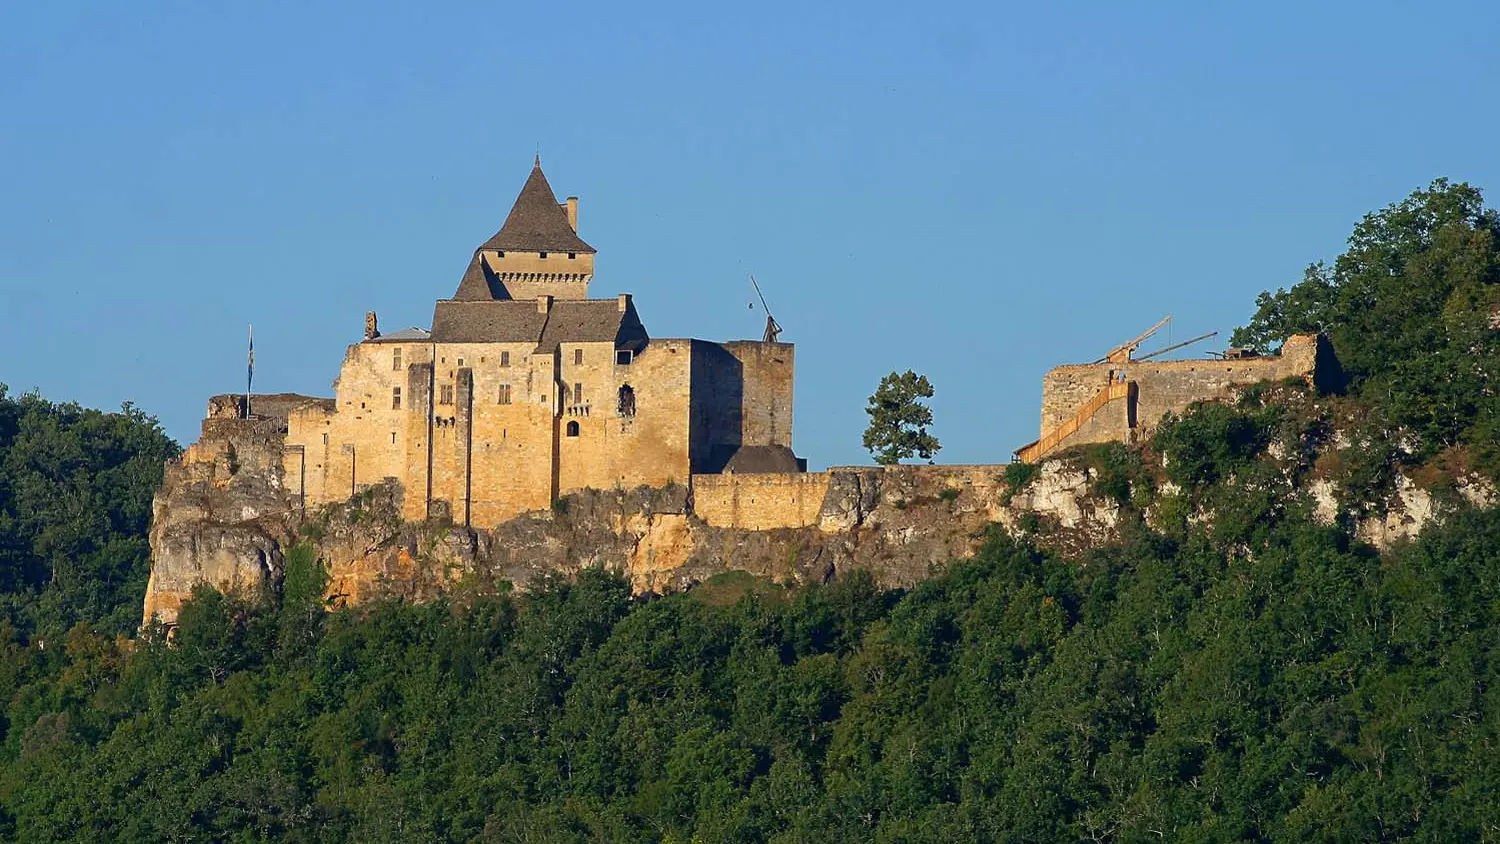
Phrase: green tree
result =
(1410, 307)
(899, 419)
(75, 505)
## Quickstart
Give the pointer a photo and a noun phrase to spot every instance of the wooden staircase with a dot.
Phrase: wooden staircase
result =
(1054, 438)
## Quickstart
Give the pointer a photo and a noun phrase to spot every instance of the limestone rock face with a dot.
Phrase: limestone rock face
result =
(219, 516)
(222, 518)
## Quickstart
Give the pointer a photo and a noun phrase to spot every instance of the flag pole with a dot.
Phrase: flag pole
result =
(250, 371)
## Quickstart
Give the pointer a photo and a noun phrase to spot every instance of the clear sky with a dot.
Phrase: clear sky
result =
(977, 191)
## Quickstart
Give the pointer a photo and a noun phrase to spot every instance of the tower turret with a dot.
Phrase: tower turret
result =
(537, 252)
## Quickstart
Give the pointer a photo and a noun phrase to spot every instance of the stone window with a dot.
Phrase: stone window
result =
(623, 357)
(395, 398)
(626, 405)
(578, 357)
(504, 394)
(505, 358)
(541, 254)
(577, 393)
(445, 394)
(460, 362)
(572, 255)
(396, 359)
(572, 429)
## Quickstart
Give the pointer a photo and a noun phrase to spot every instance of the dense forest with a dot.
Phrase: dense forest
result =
(1253, 676)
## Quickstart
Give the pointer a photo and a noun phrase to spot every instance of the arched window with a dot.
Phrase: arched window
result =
(572, 429)
(626, 405)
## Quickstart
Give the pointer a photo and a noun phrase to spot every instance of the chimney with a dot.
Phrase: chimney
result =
(572, 208)
(624, 302)
(543, 304)
(372, 329)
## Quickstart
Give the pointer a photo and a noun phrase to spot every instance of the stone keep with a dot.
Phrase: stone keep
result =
(525, 389)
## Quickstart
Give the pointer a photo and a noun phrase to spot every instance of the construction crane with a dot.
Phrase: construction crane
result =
(773, 328)
(1122, 352)
(1177, 346)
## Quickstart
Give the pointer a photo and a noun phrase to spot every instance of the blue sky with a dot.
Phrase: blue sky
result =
(974, 191)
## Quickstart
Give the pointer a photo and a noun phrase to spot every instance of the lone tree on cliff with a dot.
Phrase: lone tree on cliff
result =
(899, 419)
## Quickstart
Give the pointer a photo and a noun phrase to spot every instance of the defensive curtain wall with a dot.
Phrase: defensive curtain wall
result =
(1120, 402)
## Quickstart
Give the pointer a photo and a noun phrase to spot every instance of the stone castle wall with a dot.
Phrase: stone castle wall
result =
(1165, 386)
(480, 432)
(760, 502)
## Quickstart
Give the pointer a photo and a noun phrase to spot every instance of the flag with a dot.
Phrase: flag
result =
(250, 372)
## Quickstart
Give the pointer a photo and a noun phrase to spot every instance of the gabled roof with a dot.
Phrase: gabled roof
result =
(589, 321)
(500, 321)
(518, 321)
(536, 222)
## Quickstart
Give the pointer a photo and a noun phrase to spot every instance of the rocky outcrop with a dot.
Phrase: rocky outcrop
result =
(224, 517)
(221, 517)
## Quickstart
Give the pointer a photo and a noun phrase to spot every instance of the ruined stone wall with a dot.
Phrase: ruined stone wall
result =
(760, 501)
(1163, 386)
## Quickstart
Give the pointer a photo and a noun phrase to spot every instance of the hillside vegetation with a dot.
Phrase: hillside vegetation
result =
(1231, 669)
(75, 506)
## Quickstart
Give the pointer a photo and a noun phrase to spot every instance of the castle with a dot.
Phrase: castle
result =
(673, 456)
(525, 389)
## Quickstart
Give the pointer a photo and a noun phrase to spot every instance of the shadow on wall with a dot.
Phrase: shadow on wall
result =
(716, 421)
(1328, 375)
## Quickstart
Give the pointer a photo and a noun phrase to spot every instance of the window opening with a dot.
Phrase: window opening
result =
(445, 394)
(504, 394)
(395, 398)
(626, 405)
(578, 357)
(396, 360)
(577, 393)
(623, 357)
(541, 254)
(572, 255)
(572, 429)
(505, 358)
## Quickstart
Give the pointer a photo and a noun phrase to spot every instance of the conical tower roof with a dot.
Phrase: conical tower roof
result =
(536, 222)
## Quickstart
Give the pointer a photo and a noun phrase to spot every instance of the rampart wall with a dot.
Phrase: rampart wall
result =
(760, 502)
(1166, 386)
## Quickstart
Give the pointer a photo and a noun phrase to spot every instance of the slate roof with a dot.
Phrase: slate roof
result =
(405, 335)
(517, 321)
(536, 222)
(589, 321)
(762, 460)
(502, 321)
(478, 283)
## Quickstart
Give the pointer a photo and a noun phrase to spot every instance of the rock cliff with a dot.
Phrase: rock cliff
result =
(224, 517)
